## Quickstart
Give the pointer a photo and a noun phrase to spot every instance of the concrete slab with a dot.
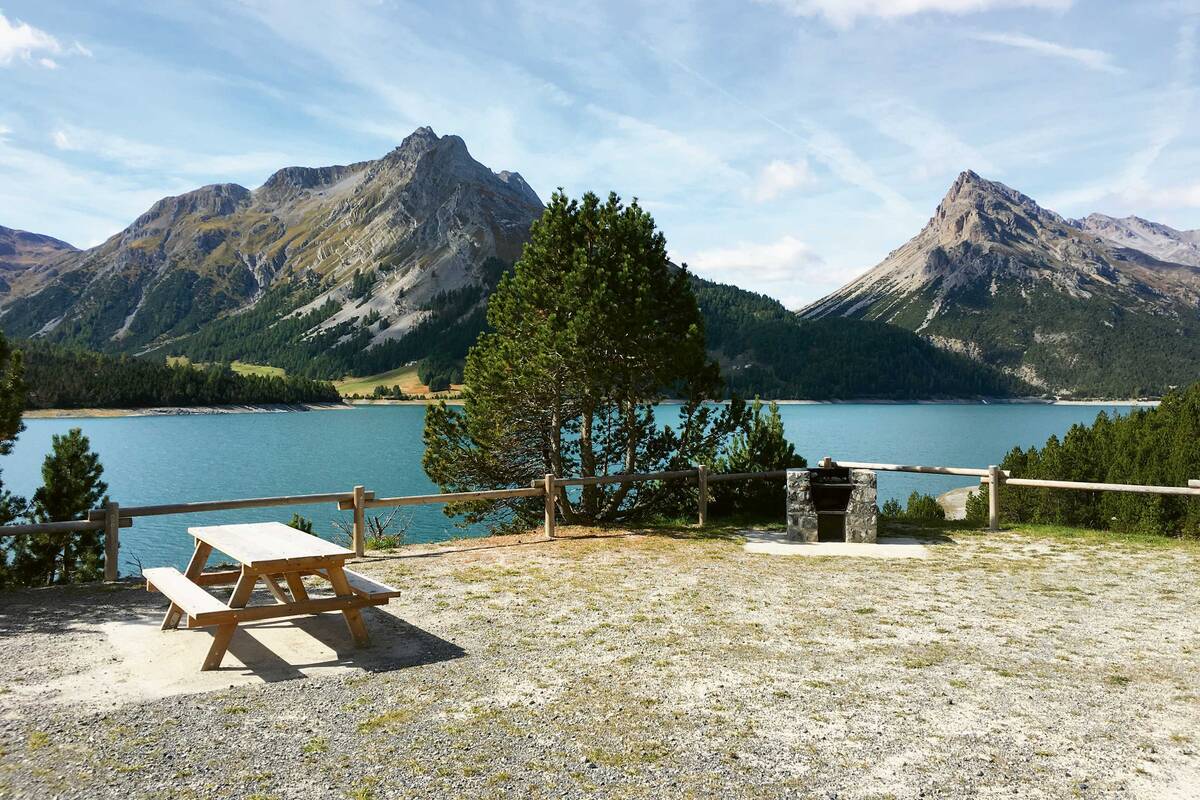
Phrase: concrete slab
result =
(141, 662)
(776, 543)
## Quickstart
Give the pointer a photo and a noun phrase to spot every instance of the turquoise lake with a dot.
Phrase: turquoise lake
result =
(149, 460)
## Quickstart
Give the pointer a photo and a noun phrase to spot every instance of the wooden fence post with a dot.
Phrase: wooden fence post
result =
(549, 488)
(702, 480)
(360, 522)
(994, 478)
(112, 543)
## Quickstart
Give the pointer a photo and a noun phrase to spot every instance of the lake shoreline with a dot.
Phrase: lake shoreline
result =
(350, 405)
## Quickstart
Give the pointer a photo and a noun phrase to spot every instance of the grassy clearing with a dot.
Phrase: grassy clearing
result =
(404, 377)
(240, 367)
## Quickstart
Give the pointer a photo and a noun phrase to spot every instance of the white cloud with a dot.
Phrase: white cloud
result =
(779, 177)
(5, 131)
(844, 13)
(1097, 60)
(786, 268)
(22, 40)
(144, 156)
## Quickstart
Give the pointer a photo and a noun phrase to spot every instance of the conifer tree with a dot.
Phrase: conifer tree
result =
(72, 486)
(590, 331)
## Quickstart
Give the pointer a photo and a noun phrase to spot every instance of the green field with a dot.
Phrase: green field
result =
(404, 377)
(240, 367)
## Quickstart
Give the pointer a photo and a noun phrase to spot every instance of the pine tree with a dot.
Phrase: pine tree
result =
(72, 486)
(592, 328)
(760, 445)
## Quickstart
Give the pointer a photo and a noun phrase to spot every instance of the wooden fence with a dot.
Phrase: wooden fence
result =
(112, 517)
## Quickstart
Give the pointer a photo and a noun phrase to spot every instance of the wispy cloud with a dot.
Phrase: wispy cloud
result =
(780, 177)
(785, 268)
(844, 13)
(145, 156)
(21, 41)
(1088, 57)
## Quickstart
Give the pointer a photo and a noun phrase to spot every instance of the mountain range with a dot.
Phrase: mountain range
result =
(362, 268)
(1096, 306)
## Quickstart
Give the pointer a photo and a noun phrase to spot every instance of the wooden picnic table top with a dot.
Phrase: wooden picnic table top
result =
(261, 545)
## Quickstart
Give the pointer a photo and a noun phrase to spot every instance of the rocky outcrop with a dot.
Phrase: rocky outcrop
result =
(996, 276)
(420, 221)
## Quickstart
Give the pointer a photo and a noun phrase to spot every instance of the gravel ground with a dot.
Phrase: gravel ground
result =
(1021, 665)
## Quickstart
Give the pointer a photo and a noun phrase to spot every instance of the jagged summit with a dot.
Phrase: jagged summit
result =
(996, 276)
(418, 222)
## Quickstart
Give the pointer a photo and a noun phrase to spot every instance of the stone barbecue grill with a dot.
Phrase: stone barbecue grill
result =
(831, 504)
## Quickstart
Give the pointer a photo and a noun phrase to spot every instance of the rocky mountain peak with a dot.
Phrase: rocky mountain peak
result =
(1153, 238)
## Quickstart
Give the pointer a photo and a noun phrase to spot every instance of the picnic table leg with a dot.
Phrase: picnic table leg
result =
(225, 631)
(354, 620)
(296, 586)
(194, 568)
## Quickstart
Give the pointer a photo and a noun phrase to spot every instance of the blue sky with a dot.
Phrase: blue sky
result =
(782, 145)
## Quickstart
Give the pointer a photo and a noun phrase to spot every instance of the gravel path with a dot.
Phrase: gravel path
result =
(1014, 665)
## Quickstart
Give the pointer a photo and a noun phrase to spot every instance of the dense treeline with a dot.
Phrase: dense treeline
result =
(768, 351)
(1158, 446)
(62, 377)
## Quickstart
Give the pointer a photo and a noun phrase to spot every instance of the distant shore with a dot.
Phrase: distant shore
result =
(349, 405)
(182, 411)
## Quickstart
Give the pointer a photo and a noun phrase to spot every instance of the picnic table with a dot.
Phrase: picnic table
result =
(276, 554)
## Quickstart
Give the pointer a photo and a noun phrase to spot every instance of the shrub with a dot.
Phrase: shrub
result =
(923, 508)
(759, 445)
(892, 509)
(301, 523)
(977, 507)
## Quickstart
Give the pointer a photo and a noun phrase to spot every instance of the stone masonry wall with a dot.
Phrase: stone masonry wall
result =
(801, 514)
(862, 513)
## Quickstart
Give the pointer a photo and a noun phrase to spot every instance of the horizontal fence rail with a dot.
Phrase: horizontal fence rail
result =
(113, 516)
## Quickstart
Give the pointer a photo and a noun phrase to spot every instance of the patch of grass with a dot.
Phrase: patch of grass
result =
(38, 740)
(236, 710)
(1118, 680)
(928, 656)
(396, 716)
(864, 610)
(265, 370)
(315, 745)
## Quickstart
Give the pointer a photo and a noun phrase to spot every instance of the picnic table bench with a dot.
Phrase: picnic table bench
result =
(276, 554)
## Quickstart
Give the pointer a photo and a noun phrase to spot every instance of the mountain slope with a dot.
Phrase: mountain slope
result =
(22, 254)
(1153, 238)
(767, 351)
(357, 251)
(995, 276)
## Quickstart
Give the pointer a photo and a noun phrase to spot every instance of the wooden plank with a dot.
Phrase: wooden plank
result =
(354, 620)
(702, 482)
(1085, 486)
(994, 480)
(360, 522)
(747, 476)
(970, 471)
(550, 510)
(280, 610)
(295, 584)
(632, 477)
(368, 587)
(274, 589)
(230, 505)
(67, 526)
(183, 593)
(112, 540)
(241, 595)
(194, 568)
(269, 546)
(455, 497)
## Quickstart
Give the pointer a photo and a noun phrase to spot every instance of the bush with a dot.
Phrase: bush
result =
(977, 507)
(759, 445)
(301, 523)
(923, 508)
(892, 509)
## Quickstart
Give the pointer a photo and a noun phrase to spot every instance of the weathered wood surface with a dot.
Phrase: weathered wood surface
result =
(456, 497)
(1186, 491)
(368, 587)
(182, 593)
(269, 546)
(228, 505)
(970, 471)
(746, 476)
(632, 477)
